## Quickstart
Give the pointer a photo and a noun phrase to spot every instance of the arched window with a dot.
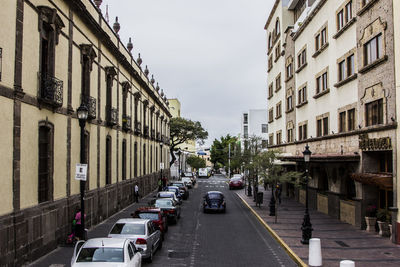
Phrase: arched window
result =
(135, 162)
(277, 27)
(270, 41)
(124, 159)
(45, 168)
(144, 159)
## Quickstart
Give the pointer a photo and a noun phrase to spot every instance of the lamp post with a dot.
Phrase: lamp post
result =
(82, 113)
(179, 164)
(306, 227)
(249, 193)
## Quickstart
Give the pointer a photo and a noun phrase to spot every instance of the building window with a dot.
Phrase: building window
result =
(342, 70)
(277, 28)
(317, 44)
(320, 39)
(322, 83)
(108, 159)
(322, 126)
(303, 132)
(279, 138)
(323, 37)
(45, 174)
(245, 118)
(264, 128)
(151, 159)
(271, 140)
(278, 110)
(302, 95)
(269, 41)
(289, 71)
(340, 20)
(298, 10)
(319, 127)
(270, 60)
(271, 115)
(1, 61)
(124, 159)
(290, 135)
(374, 112)
(301, 58)
(325, 122)
(349, 11)
(87, 58)
(144, 160)
(350, 65)
(271, 90)
(342, 121)
(372, 50)
(277, 51)
(289, 103)
(246, 131)
(278, 84)
(135, 162)
(351, 119)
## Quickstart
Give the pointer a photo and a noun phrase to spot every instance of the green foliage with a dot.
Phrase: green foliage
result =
(196, 162)
(220, 151)
(384, 215)
(182, 130)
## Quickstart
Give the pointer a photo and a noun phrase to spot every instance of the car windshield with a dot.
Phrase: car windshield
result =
(188, 174)
(163, 203)
(101, 255)
(236, 179)
(148, 215)
(214, 196)
(128, 229)
(165, 194)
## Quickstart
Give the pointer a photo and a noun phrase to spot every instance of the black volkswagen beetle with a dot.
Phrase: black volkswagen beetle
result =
(214, 201)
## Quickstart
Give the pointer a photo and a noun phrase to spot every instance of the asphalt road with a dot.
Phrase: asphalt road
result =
(235, 238)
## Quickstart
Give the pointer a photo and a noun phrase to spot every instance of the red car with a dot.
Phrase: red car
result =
(158, 217)
(235, 183)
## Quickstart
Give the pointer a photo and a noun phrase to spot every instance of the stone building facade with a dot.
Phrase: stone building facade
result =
(340, 97)
(54, 56)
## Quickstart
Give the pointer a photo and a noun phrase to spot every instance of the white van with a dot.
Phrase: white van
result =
(203, 172)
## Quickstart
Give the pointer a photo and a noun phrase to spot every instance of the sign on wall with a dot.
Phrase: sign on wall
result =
(370, 144)
(81, 172)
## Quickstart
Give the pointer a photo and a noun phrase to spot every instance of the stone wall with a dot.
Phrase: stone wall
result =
(31, 233)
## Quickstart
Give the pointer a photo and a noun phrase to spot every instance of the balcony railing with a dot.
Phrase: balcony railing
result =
(91, 104)
(112, 116)
(126, 123)
(50, 90)
(138, 128)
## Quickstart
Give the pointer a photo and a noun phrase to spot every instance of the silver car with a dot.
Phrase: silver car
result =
(140, 231)
(188, 182)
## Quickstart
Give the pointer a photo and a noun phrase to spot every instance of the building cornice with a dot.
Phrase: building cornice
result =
(271, 14)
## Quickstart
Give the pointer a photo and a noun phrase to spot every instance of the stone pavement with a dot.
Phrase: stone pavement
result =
(63, 254)
(339, 240)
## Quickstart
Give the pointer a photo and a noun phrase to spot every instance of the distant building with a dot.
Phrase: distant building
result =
(254, 123)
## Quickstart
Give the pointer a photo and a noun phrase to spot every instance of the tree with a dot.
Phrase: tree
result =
(272, 173)
(196, 162)
(219, 153)
(182, 130)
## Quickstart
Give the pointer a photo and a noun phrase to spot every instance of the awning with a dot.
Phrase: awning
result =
(324, 158)
(383, 180)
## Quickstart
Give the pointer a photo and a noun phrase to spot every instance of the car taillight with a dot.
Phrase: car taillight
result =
(141, 241)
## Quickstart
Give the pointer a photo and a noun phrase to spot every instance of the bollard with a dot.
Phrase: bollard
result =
(314, 252)
(347, 263)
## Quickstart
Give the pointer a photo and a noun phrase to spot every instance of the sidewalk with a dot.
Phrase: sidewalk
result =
(339, 240)
(63, 254)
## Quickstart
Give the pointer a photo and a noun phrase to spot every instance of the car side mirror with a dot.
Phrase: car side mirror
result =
(138, 250)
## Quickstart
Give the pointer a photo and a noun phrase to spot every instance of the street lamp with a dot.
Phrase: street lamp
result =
(306, 227)
(82, 114)
(179, 163)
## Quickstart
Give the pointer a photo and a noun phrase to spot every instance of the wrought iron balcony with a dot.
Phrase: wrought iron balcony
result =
(112, 116)
(146, 131)
(126, 123)
(138, 128)
(50, 90)
(90, 103)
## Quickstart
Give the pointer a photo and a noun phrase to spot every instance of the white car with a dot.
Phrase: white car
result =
(117, 252)
(187, 181)
(140, 231)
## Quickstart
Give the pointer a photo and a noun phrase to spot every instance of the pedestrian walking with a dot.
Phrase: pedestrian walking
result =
(136, 193)
(279, 192)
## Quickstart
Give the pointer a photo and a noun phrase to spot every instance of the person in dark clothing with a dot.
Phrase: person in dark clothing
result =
(136, 193)
(279, 192)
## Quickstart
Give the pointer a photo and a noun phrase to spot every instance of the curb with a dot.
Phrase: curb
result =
(275, 235)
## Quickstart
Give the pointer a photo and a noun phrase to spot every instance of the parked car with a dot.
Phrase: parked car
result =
(168, 194)
(179, 193)
(158, 217)
(106, 252)
(140, 231)
(192, 176)
(182, 188)
(188, 182)
(214, 201)
(236, 183)
(170, 208)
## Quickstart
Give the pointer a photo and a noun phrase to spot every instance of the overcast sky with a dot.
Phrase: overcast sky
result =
(210, 54)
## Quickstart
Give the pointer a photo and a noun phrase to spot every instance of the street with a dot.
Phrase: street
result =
(235, 238)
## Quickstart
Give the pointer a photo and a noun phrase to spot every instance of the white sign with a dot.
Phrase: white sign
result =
(81, 171)
(162, 165)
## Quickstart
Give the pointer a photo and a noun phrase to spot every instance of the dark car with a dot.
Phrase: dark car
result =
(168, 206)
(236, 183)
(182, 188)
(214, 201)
(158, 217)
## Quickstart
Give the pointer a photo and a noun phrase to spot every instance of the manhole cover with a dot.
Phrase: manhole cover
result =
(178, 254)
(342, 244)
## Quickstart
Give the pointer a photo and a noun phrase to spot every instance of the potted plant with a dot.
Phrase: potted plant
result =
(370, 218)
(383, 217)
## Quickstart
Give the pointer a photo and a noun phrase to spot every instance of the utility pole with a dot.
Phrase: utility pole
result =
(229, 161)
